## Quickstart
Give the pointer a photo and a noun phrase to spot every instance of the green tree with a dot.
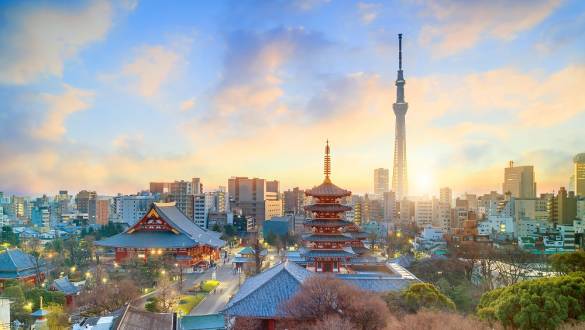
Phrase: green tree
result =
(8, 236)
(418, 296)
(543, 303)
(57, 318)
(16, 295)
(565, 263)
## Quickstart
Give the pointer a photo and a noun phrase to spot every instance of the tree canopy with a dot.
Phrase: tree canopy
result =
(568, 262)
(543, 303)
(418, 296)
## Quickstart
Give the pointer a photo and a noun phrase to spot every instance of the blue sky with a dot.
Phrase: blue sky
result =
(112, 95)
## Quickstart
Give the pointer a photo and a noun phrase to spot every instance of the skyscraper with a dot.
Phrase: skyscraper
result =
(399, 172)
(519, 181)
(381, 181)
(579, 174)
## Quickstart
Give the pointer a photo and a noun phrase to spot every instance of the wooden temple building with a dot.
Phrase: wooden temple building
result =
(332, 245)
(166, 231)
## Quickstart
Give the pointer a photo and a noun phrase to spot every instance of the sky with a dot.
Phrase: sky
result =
(109, 96)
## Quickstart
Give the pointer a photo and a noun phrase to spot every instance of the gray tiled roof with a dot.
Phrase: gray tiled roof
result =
(327, 238)
(14, 263)
(64, 285)
(142, 240)
(312, 253)
(189, 234)
(261, 295)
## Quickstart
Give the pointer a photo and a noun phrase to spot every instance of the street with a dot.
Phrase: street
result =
(227, 287)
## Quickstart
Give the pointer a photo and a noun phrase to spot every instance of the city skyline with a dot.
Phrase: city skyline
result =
(200, 94)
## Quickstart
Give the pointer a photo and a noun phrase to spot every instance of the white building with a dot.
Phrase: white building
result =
(202, 205)
(131, 208)
(425, 212)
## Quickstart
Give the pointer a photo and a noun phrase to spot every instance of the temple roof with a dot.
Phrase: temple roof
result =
(64, 285)
(187, 234)
(327, 189)
(327, 223)
(327, 208)
(135, 319)
(327, 238)
(14, 263)
(260, 295)
(316, 253)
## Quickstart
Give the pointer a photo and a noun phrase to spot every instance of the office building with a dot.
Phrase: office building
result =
(579, 174)
(390, 206)
(519, 181)
(102, 213)
(82, 200)
(251, 196)
(562, 208)
(130, 208)
(381, 182)
(446, 196)
(294, 200)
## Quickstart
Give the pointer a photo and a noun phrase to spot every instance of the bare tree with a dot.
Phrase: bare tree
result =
(168, 296)
(322, 296)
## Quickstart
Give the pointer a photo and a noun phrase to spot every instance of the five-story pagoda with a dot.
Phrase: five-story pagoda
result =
(332, 241)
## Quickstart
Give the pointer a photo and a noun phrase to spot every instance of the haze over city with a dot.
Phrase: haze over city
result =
(144, 91)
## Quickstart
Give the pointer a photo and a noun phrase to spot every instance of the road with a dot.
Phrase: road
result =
(216, 301)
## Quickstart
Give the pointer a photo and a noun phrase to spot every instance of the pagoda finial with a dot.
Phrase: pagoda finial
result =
(41, 304)
(327, 170)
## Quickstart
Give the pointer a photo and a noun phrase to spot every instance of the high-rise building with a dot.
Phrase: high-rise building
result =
(390, 206)
(203, 204)
(562, 209)
(579, 175)
(519, 181)
(446, 196)
(131, 208)
(160, 187)
(425, 212)
(250, 196)
(102, 210)
(381, 182)
(294, 200)
(82, 200)
(399, 171)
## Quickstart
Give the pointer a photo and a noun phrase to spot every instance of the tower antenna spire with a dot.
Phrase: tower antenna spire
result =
(327, 163)
(400, 51)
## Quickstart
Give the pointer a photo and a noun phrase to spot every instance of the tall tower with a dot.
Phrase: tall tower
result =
(399, 173)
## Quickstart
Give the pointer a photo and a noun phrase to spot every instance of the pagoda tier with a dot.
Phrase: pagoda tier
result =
(332, 241)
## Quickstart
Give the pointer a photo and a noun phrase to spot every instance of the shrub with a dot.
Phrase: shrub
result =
(536, 304)
(418, 296)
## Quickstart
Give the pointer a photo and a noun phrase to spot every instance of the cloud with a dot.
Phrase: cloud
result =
(41, 39)
(188, 104)
(306, 5)
(459, 25)
(150, 69)
(59, 107)
(252, 85)
(368, 11)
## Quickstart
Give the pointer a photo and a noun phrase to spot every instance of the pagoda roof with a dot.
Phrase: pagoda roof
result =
(315, 253)
(327, 189)
(327, 238)
(322, 207)
(327, 223)
(260, 295)
(184, 233)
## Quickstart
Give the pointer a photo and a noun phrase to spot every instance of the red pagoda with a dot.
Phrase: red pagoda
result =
(333, 241)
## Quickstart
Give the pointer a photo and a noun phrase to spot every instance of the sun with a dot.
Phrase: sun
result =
(424, 183)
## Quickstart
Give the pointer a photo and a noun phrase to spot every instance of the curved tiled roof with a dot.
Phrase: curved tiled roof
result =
(327, 189)
(327, 208)
(188, 233)
(327, 238)
(328, 223)
(260, 295)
